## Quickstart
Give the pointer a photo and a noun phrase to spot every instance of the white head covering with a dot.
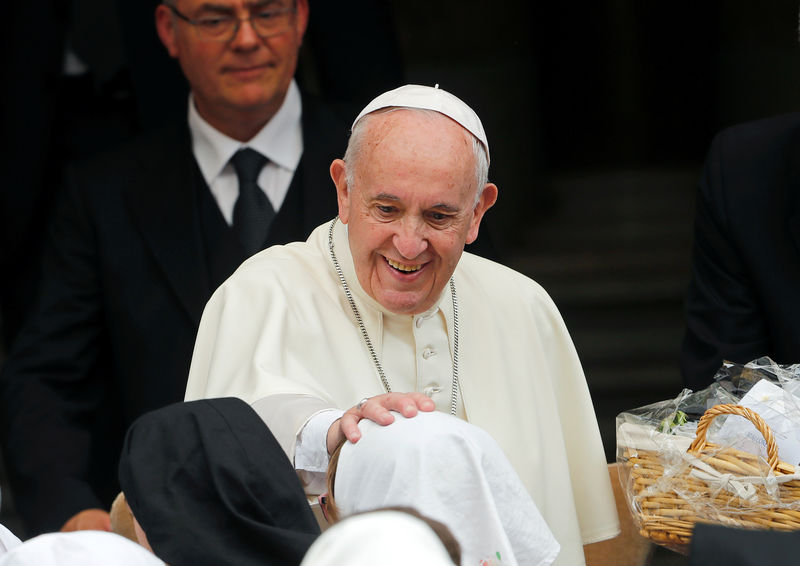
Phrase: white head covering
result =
(453, 472)
(79, 548)
(8, 540)
(430, 98)
(389, 538)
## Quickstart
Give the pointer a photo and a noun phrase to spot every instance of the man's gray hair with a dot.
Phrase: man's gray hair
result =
(356, 143)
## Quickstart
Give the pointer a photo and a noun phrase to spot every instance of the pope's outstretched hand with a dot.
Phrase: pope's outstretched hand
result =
(376, 409)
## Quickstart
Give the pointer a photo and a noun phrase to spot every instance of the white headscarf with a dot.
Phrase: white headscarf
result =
(80, 548)
(389, 538)
(453, 472)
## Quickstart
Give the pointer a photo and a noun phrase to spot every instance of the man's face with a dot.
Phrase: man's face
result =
(247, 75)
(411, 208)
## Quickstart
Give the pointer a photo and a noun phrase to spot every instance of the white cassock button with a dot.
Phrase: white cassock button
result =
(418, 322)
(432, 389)
(427, 353)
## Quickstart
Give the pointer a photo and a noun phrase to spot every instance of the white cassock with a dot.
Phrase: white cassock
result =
(281, 328)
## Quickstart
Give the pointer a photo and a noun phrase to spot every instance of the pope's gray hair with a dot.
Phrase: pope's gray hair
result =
(356, 144)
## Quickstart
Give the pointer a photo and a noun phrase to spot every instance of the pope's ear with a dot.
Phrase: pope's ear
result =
(485, 202)
(339, 176)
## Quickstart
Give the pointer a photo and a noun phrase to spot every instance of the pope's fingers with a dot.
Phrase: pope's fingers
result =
(407, 404)
(378, 409)
(349, 426)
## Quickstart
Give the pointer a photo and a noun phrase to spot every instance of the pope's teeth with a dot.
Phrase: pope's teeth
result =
(402, 267)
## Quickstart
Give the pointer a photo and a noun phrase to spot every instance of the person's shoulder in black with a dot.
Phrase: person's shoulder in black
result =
(741, 302)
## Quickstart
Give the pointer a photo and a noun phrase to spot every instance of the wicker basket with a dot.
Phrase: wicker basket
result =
(669, 493)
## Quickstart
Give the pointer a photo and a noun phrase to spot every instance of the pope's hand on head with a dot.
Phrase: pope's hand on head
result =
(376, 409)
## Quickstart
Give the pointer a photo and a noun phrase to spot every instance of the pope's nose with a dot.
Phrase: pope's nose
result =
(410, 240)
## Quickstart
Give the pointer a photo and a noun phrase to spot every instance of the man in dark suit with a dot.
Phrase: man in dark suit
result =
(142, 237)
(99, 75)
(743, 297)
(63, 106)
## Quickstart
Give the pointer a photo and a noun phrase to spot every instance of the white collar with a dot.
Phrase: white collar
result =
(280, 140)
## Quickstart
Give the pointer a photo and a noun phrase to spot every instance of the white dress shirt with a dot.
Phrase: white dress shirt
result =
(280, 141)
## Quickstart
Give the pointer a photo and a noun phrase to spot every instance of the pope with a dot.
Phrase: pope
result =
(381, 310)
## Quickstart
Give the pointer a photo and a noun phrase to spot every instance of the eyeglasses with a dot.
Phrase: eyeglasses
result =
(266, 22)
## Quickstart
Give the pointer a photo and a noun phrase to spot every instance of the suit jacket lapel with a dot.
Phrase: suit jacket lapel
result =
(164, 204)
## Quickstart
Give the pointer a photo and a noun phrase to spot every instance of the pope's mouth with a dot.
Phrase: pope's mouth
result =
(403, 267)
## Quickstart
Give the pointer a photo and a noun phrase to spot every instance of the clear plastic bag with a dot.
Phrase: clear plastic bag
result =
(725, 454)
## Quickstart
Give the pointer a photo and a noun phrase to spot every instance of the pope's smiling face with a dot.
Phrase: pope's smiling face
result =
(412, 206)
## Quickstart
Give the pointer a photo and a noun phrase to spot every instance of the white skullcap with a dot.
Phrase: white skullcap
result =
(430, 98)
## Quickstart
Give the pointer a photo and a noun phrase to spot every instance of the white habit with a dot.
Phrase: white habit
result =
(281, 328)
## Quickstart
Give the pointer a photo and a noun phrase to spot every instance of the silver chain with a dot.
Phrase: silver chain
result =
(376, 362)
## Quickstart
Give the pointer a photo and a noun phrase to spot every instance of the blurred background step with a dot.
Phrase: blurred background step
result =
(612, 248)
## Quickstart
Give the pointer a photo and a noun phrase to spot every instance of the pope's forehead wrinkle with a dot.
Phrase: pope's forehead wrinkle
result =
(384, 122)
(379, 131)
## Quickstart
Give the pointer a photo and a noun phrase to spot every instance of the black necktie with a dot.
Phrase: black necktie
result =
(252, 213)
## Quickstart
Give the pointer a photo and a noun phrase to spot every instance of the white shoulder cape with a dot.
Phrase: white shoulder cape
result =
(281, 325)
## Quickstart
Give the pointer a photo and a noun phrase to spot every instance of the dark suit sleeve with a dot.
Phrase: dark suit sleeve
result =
(49, 390)
(716, 545)
(724, 318)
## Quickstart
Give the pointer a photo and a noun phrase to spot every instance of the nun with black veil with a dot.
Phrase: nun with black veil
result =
(207, 483)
